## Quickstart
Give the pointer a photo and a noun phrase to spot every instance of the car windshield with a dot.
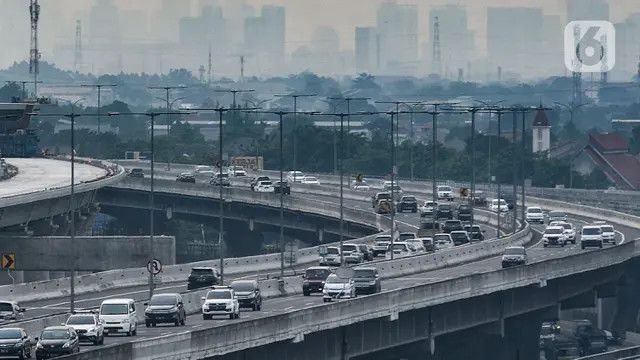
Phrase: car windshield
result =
(202, 271)
(591, 231)
(364, 273)
(557, 214)
(219, 294)
(441, 238)
(81, 320)
(475, 228)
(163, 300)
(55, 334)
(607, 228)
(333, 251)
(534, 210)
(444, 207)
(566, 226)
(114, 309)
(6, 306)
(334, 279)
(399, 247)
(464, 207)
(457, 234)
(317, 273)
(384, 196)
(349, 247)
(444, 188)
(452, 222)
(243, 286)
(10, 334)
(514, 251)
(407, 236)
(553, 231)
(430, 204)
(409, 199)
(265, 183)
(394, 187)
(382, 243)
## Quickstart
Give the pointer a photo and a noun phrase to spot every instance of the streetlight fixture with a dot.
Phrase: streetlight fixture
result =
(99, 87)
(167, 89)
(24, 83)
(234, 92)
(295, 124)
(348, 100)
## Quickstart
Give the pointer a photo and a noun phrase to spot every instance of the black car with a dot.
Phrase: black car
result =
(202, 277)
(136, 173)
(57, 341)
(452, 225)
(248, 294)
(314, 278)
(366, 252)
(186, 178)
(591, 340)
(475, 232)
(367, 280)
(15, 342)
(256, 180)
(165, 308)
(220, 180)
(282, 186)
(444, 211)
(510, 200)
(408, 203)
(459, 237)
(464, 212)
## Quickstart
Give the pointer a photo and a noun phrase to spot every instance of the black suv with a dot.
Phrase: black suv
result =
(452, 225)
(282, 186)
(15, 342)
(165, 308)
(464, 212)
(248, 294)
(136, 173)
(408, 203)
(444, 211)
(202, 277)
(314, 278)
(367, 280)
(187, 178)
(475, 232)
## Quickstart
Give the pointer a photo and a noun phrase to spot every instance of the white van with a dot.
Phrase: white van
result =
(119, 316)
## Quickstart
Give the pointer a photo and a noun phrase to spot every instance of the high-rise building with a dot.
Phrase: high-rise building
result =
(264, 38)
(398, 31)
(366, 49)
(515, 40)
(627, 48)
(166, 25)
(587, 10)
(204, 30)
(456, 40)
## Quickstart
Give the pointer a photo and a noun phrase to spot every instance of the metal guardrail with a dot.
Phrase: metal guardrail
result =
(620, 354)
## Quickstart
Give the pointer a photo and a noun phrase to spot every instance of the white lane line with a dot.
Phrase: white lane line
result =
(288, 308)
(308, 304)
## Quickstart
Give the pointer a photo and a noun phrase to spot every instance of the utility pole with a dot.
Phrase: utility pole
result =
(34, 57)
(295, 125)
(234, 92)
(167, 89)
(397, 116)
(99, 88)
(348, 100)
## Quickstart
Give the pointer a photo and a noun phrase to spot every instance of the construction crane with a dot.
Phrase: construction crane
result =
(34, 55)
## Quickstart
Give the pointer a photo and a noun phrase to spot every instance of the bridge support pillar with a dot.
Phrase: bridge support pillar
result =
(628, 302)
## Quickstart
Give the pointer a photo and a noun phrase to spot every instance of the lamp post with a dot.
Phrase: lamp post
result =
(167, 90)
(234, 92)
(348, 100)
(99, 88)
(24, 83)
(295, 124)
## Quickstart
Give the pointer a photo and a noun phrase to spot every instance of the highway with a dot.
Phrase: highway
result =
(35, 175)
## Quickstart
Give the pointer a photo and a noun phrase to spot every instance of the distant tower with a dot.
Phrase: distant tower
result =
(241, 68)
(499, 73)
(541, 132)
(460, 74)
(576, 96)
(209, 74)
(437, 53)
(201, 72)
(34, 55)
(77, 58)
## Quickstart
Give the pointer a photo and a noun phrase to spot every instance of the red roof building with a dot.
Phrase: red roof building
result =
(610, 153)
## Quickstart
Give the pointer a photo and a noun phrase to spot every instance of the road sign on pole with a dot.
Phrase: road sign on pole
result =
(154, 266)
(9, 261)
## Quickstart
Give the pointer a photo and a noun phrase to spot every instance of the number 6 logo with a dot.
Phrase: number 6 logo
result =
(589, 46)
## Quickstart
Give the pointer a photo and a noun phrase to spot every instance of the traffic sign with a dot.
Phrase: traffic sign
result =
(9, 261)
(154, 266)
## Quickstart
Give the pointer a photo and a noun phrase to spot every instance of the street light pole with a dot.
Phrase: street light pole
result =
(499, 112)
(167, 89)
(99, 88)
(295, 124)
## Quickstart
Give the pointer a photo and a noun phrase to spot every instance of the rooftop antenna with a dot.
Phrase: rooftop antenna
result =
(34, 54)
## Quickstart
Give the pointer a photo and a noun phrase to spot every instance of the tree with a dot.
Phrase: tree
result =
(10, 92)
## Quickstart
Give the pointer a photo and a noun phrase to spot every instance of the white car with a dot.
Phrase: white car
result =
(360, 186)
(569, 230)
(264, 187)
(238, 171)
(399, 249)
(331, 258)
(442, 241)
(87, 326)
(205, 170)
(514, 255)
(221, 300)
(119, 316)
(352, 254)
(309, 180)
(591, 236)
(444, 192)
(554, 235)
(295, 176)
(534, 214)
(10, 310)
(428, 208)
(416, 245)
(502, 207)
(336, 287)
(608, 234)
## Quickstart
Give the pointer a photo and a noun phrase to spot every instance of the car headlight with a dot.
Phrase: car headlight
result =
(66, 345)
(18, 344)
(325, 291)
(125, 321)
(39, 346)
(92, 330)
(252, 295)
